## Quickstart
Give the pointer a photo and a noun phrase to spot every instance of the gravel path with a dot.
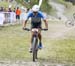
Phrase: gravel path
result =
(22, 63)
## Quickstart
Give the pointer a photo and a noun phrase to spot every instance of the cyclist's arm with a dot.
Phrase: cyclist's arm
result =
(46, 24)
(44, 19)
(24, 24)
(26, 19)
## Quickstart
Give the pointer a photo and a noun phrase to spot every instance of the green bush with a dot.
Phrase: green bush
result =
(4, 4)
(45, 6)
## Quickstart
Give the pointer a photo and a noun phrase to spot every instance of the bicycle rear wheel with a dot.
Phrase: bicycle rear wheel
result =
(35, 48)
(69, 23)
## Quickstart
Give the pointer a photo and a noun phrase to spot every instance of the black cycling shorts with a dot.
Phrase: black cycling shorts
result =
(36, 25)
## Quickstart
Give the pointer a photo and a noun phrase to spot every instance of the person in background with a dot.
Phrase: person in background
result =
(23, 14)
(18, 13)
(1, 9)
(9, 10)
(28, 10)
(14, 9)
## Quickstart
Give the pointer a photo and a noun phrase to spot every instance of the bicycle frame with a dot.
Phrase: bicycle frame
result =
(35, 32)
(35, 43)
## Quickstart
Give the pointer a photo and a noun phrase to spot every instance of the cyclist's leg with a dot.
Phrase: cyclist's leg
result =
(33, 25)
(30, 50)
(39, 35)
(32, 33)
(40, 39)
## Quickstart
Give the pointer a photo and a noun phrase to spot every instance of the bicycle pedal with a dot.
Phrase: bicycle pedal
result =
(30, 51)
(35, 60)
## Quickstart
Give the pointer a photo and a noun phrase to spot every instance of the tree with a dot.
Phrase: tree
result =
(45, 6)
(73, 1)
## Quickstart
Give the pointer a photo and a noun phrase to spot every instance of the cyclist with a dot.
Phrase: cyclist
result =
(36, 16)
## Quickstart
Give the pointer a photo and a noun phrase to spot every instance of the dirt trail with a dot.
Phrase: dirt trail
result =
(34, 64)
(60, 9)
(56, 31)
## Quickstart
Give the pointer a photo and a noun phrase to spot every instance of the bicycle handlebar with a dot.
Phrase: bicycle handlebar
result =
(30, 29)
(26, 29)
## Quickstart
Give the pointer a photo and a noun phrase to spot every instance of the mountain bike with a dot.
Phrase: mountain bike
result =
(70, 22)
(34, 42)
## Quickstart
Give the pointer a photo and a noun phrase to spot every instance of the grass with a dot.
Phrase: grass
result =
(4, 4)
(61, 51)
(14, 45)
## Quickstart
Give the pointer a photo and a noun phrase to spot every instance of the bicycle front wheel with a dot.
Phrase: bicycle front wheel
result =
(35, 48)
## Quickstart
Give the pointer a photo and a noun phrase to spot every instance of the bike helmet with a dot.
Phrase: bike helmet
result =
(35, 8)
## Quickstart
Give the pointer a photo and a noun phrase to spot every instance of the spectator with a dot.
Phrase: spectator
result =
(1, 9)
(28, 10)
(14, 10)
(23, 14)
(12, 17)
(18, 13)
(2, 18)
(9, 10)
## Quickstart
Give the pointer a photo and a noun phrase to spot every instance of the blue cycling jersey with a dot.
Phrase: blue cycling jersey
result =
(39, 15)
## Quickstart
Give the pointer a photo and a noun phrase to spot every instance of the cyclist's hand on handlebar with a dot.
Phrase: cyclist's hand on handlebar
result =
(45, 29)
(26, 29)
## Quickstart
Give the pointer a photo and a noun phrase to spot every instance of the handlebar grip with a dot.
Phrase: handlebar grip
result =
(30, 29)
(26, 29)
(45, 29)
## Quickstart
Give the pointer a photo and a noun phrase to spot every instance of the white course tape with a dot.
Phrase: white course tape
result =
(40, 2)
